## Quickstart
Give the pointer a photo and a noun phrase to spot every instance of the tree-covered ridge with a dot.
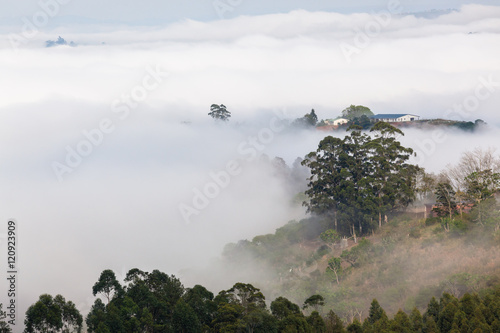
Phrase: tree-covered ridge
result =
(470, 313)
(360, 115)
(157, 302)
(408, 260)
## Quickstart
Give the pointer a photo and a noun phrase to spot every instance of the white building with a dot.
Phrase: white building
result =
(395, 117)
(336, 122)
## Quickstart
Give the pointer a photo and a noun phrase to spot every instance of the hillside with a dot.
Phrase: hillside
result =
(402, 265)
(362, 185)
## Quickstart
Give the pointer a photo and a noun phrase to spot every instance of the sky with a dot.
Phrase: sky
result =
(108, 156)
(147, 11)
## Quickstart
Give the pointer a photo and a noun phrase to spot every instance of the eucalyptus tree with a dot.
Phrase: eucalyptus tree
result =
(356, 111)
(53, 314)
(358, 178)
(338, 185)
(392, 178)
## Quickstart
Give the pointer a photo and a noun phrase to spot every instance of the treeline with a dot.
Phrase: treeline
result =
(470, 313)
(157, 302)
(358, 181)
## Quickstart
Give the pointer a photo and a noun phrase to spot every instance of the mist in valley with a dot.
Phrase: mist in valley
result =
(110, 160)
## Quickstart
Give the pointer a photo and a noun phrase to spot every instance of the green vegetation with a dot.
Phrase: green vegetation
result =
(308, 120)
(156, 302)
(219, 112)
(359, 179)
(356, 111)
(53, 314)
(467, 126)
(4, 326)
(402, 263)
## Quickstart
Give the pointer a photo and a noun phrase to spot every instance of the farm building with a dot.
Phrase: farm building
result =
(395, 118)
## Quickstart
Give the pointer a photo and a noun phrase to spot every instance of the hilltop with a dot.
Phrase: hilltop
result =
(362, 116)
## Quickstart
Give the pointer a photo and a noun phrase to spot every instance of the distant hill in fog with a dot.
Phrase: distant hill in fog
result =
(430, 14)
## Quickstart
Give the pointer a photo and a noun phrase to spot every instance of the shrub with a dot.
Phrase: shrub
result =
(322, 250)
(458, 227)
(437, 230)
(415, 233)
(432, 221)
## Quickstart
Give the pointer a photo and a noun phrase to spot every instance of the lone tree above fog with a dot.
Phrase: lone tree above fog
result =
(219, 112)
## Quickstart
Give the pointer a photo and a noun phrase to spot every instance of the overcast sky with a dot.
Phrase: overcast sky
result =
(157, 11)
(118, 207)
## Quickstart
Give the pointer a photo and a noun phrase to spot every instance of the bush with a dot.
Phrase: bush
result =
(437, 230)
(322, 250)
(432, 221)
(458, 227)
(415, 233)
(389, 243)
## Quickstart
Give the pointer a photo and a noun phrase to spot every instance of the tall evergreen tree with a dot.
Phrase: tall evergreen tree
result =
(433, 309)
(376, 312)
(416, 321)
(184, 319)
(358, 178)
(388, 179)
(333, 323)
(445, 197)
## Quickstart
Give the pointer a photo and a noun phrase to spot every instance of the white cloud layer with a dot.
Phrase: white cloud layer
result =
(119, 208)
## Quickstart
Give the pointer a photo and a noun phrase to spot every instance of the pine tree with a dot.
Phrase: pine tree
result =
(334, 323)
(376, 312)
(416, 321)
(433, 309)
(355, 327)
(430, 325)
(446, 317)
(401, 323)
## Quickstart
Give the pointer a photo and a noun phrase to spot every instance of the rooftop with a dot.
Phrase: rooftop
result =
(391, 115)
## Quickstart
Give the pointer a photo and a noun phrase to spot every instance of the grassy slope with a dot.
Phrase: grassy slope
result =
(400, 270)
